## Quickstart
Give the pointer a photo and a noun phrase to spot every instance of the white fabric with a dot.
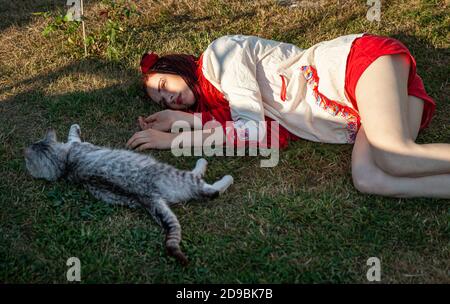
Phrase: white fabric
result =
(247, 69)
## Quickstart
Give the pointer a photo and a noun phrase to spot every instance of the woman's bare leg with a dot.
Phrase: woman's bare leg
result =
(384, 107)
(369, 178)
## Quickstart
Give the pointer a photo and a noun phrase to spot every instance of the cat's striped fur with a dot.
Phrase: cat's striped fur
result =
(124, 177)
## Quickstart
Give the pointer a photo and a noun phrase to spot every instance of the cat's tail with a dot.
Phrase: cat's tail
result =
(162, 214)
(174, 250)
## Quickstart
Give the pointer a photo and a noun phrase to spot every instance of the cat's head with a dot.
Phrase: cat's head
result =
(46, 158)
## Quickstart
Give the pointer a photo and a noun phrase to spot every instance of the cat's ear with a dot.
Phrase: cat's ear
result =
(50, 135)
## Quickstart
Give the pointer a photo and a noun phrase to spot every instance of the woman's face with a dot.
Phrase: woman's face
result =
(170, 91)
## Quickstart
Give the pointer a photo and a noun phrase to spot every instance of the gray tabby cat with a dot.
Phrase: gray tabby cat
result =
(124, 177)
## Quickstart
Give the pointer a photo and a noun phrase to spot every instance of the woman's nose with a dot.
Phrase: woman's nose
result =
(168, 97)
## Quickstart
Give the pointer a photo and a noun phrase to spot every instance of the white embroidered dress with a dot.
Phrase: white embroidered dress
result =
(250, 72)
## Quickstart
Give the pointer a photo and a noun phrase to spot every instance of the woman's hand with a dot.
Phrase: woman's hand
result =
(150, 139)
(161, 121)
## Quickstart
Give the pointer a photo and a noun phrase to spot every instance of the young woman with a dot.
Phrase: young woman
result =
(360, 89)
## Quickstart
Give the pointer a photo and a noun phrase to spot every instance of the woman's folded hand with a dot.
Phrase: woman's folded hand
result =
(161, 121)
(150, 139)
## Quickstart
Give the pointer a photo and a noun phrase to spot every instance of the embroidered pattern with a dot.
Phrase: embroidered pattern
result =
(330, 106)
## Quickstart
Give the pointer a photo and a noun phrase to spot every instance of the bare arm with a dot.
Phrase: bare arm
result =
(193, 119)
(164, 120)
(154, 139)
(198, 138)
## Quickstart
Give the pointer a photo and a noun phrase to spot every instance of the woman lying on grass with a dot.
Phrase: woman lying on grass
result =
(360, 89)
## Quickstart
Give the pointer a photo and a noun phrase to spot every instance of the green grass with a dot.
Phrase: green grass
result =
(300, 222)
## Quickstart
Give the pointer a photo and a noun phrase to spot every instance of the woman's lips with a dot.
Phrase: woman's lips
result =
(179, 100)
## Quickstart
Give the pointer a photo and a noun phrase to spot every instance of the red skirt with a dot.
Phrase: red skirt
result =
(366, 50)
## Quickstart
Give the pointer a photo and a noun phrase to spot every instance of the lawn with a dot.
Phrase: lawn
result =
(299, 222)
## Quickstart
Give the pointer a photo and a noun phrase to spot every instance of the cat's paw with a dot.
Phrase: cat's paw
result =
(223, 184)
(75, 128)
(200, 167)
(202, 163)
(228, 179)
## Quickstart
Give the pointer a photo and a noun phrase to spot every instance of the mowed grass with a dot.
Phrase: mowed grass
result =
(299, 222)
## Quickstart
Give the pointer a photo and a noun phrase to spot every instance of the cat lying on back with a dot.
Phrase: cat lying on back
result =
(124, 177)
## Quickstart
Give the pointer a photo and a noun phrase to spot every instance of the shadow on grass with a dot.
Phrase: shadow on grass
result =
(20, 13)
(106, 113)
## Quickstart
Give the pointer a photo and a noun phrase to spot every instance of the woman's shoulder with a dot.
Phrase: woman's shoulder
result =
(234, 48)
(225, 45)
(227, 51)
(241, 40)
(234, 38)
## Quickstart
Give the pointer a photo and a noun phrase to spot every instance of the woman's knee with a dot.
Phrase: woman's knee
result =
(369, 179)
(394, 159)
(366, 175)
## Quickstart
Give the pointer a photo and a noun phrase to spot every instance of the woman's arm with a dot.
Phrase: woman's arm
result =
(154, 139)
(164, 120)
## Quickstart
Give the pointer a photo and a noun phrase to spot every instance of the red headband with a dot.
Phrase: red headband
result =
(147, 61)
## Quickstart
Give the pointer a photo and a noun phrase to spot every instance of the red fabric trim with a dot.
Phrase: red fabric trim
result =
(283, 89)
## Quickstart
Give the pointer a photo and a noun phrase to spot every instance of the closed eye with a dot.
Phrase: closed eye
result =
(162, 84)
